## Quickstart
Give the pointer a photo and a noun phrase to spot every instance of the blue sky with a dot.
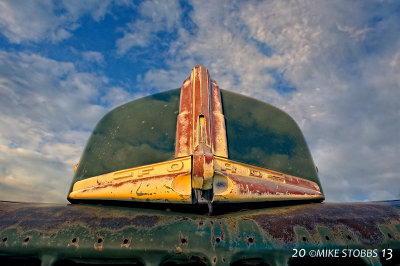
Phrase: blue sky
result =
(332, 65)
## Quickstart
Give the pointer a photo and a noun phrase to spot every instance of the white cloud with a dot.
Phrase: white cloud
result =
(47, 110)
(45, 20)
(161, 79)
(351, 120)
(217, 44)
(155, 16)
(93, 56)
(32, 176)
(96, 8)
(116, 96)
(342, 58)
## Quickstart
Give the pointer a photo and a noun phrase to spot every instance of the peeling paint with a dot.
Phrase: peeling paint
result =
(115, 232)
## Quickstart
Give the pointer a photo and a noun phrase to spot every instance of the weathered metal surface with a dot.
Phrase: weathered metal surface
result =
(237, 182)
(131, 136)
(195, 129)
(200, 102)
(202, 137)
(201, 127)
(168, 181)
(92, 233)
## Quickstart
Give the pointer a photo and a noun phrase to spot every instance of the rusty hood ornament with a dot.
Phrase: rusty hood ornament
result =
(201, 171)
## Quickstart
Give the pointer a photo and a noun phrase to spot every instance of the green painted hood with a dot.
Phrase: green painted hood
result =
(143, 131)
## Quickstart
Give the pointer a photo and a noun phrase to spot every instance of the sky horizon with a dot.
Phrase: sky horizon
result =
(333, 66)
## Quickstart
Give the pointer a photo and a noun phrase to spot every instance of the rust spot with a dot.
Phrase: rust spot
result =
(145, 220)
(250, 241)
(47, 218)
(179, 250)
(126, 242)
(74, 242)
(183, 240)
(362, 219)
(115, 223)
(5, 241)
(98, 245)
(115, 185)
(222, 231)
(118, 223)
(254, 185)
(31, 218)
(26, 240)
(212, 235)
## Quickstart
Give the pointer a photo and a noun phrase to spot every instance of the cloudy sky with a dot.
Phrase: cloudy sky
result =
(332, 65)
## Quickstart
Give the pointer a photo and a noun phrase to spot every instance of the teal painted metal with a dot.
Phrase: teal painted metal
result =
(99, 234)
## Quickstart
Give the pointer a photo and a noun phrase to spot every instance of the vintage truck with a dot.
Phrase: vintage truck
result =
(198, 176)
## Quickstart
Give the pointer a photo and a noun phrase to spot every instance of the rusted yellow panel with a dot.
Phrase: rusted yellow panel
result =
(197, 182)
(168, 181)
(242, 169)
(222, 185)
(238, 182)
(252, 190)
(228, 166)
(208, 174)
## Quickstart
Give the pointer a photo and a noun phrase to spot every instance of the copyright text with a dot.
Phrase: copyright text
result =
(343, 253)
